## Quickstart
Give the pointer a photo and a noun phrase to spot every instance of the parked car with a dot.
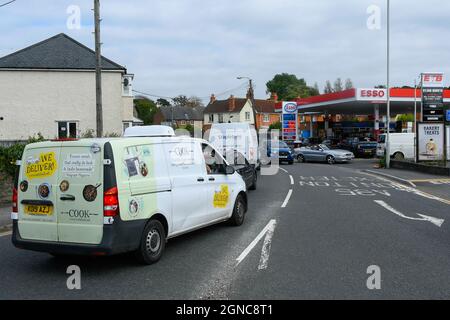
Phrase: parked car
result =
(332, 143)
(282, 152)
(108, 196)
(360, 146)
(401, 145)
(248, 172)
(321, 153)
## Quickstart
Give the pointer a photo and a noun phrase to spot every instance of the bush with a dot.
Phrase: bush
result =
(9, 155)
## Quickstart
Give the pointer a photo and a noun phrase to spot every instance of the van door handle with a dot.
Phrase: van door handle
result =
(200, 179)
(67, 198)
(212, 179)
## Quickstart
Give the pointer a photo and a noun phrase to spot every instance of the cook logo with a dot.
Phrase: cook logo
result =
(79, 214)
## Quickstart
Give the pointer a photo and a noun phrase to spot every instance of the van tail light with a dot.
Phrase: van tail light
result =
(14, 200)
(111, 202)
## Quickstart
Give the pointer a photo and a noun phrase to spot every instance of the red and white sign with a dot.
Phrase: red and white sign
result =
(433, 80)
(372, 94)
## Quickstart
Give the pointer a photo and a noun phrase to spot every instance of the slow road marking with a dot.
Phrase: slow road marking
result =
(269, 230)
(437, 222)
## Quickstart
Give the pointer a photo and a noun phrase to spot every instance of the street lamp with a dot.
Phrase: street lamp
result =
(388, 111)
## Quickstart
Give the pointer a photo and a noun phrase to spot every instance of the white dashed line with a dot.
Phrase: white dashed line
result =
(269, 226)
(284, 170)
(288, 196)
(292, 179)
(265, 252)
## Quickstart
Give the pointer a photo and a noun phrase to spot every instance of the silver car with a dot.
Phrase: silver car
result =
(321, 153)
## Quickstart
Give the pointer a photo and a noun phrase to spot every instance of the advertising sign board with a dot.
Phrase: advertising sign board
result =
(430, 141)
(289, 121)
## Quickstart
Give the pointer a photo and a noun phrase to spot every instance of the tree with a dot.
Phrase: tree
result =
(180, 101)
(348, 84)
(380, 86)
(328, 88)
(145, 109)
(195, 102)
(162, 103)
(275, 126)
(338, 86)
(316, 88)
(288, 87)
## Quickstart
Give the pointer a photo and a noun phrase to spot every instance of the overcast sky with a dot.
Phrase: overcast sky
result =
(199, 47)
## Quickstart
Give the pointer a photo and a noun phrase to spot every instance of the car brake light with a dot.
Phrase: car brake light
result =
(14, 200)
(111, 202)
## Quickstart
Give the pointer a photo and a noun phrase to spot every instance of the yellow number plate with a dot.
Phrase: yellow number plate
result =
(37, 210)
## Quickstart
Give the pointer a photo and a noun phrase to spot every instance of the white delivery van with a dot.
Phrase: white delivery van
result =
(401, 145)
(241, 137)
(114, 195)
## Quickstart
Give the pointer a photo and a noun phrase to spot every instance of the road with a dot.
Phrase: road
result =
(325, 225)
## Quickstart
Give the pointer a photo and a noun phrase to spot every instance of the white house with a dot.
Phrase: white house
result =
(49, 88)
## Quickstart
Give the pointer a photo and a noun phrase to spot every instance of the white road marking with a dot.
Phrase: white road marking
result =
(437, 222)
(292, 179)
(394, 177)
(284, 170)
(265, 252)
(409, 189)
(250, 247)
(288, 196)
(6, 234)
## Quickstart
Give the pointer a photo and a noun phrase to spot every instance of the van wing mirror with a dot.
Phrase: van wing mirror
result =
(229, 170)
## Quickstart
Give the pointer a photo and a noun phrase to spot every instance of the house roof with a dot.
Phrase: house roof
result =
(264, 106)
(222, 106)
(182, 113)
(57, 52)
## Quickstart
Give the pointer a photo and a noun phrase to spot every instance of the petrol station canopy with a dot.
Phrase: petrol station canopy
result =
(362, 101)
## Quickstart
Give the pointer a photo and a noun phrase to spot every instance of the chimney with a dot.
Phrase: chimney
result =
(250, 94)
(212, 99)
(274, 97)
(231, 103)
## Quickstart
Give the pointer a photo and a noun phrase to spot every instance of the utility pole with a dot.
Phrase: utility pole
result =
(251, 97)
(98, 70)
(388, 111)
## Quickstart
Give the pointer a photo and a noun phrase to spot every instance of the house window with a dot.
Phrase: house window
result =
(127, 87)
(183, 122)
(220, 118)
(247, 116)
(211, 117)
(67, 129)
(266, 118)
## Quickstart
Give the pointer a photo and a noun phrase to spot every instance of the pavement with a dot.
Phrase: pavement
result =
(313, 231)
(5, 218)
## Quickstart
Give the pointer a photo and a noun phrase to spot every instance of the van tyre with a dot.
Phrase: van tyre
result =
(153, 243)
(399, 156)
(238, 216)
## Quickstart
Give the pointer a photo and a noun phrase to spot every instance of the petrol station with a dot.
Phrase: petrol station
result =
(353, 112)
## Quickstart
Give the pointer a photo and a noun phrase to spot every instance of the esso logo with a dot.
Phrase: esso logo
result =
(290, 107)
(373, 93)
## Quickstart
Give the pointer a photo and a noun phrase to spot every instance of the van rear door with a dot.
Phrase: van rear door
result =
(79, 202)
(37, 192)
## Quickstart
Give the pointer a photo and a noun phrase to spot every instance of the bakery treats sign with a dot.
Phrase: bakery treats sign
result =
(430, 141)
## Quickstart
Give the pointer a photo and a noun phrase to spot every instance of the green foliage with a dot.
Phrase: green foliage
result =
(89, 133)
(275, 126)
(146, 110)
(405, 117)
(289, 87)
(9, 155)
(162, 103)
(189, 128)
(112, 135)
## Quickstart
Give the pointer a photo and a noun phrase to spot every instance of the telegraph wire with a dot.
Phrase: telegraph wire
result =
(6, 3)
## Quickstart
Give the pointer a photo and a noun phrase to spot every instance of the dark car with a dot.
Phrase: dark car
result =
(248, 171)
(363, 147)
(282, 152)
(332, 143)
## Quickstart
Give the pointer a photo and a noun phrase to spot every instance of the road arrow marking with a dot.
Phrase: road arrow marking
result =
(437, 222)
(269, 229)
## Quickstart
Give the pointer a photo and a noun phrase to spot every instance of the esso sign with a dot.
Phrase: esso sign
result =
(372, 94)
(289, 107)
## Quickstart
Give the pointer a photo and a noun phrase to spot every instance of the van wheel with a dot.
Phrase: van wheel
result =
(238, 215)
(153, 243)
(399, 156)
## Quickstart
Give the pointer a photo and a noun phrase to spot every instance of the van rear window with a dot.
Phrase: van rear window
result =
(382, 139)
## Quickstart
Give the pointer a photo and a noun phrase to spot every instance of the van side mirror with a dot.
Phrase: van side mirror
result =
(229, 170)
